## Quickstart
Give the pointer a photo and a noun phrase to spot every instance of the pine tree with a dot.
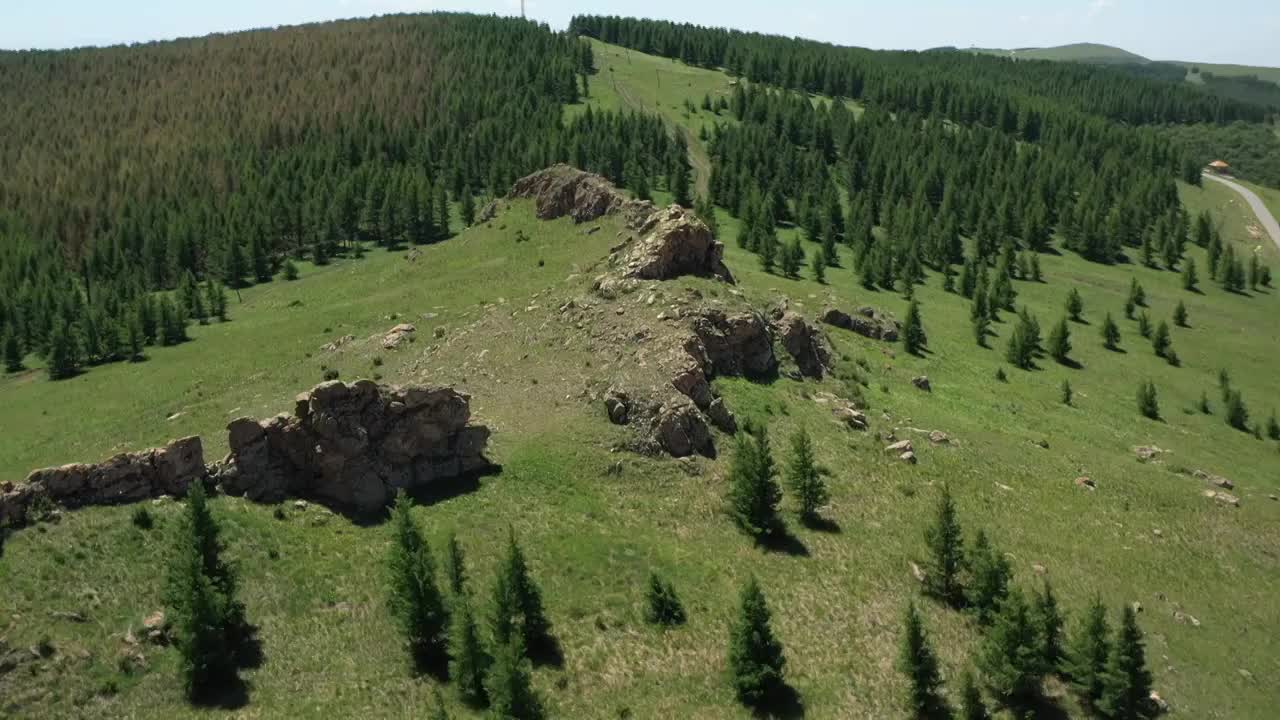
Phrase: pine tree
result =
(971, 705)
(1203, 404)
(63, 359)
(12, 351)
(1126, 682)
(792, 256)
(1148, 404)
(1067, 394)
(201, 595)
(1137, 295)
(1190, 279)
(662, 606)
(753, 492)
(1110, 333)
(455, 571)
(1144, 325)
(517, 604)
(1049, 618)
(945, 542)
(1273, 427)
(414, 598)
(804, 477)
(1180, 315)
(1060, 342)
(1087, 652)
(468, 661)
(989, 575)
(234, 268)
(1012, 654)
(290, 270)
(917, 661)
(756, 660)
(1236, 413)
(819, 267)
(509, 684)
(467, 207)
(135, 339)
(913, 335)
(1160, 340)
(1075, 305)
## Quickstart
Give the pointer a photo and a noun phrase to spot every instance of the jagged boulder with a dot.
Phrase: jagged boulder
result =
(354, 446)
(737, 344)
(398, 335)
(681, 430)
(562, 190)
(805, 343)
(866, 321)
(673, 243)
(618, 404)
(127, 477)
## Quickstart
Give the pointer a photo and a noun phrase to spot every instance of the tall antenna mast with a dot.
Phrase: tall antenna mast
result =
(522, 9)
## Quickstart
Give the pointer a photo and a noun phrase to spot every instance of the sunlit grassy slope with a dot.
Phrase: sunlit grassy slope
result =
(314, 583)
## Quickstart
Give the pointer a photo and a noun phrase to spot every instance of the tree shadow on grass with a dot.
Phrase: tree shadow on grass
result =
(784, 703)
(1042, 708)
(229, 694)
(546, 652)
(782, 540)
(818, 523)
(1071, 363)
(249, 653)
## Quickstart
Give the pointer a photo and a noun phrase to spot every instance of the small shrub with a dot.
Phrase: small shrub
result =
(279, 513)
(331, 374)
(1001, 376)
(377, 361)
(664, 607)
(142, 518)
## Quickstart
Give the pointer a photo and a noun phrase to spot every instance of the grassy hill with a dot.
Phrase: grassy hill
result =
(313, 581)
(1075, 52)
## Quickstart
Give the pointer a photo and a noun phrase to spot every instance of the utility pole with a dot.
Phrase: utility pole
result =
(522, 10)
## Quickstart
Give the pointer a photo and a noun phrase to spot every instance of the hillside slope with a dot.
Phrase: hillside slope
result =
(594, 529)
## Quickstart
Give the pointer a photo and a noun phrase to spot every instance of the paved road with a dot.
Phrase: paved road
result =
(1264, 215)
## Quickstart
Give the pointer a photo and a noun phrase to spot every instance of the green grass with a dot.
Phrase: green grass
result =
(314, 583)
(1271, 74)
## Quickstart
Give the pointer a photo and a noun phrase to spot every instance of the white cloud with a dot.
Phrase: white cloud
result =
(1097, 6)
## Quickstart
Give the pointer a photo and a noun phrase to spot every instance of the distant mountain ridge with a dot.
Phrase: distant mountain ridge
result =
(1100, 54)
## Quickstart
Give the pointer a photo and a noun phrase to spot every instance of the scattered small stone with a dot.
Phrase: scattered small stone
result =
(1137, 606)
(1157, 532)
(1086, 482)
(1182, 617)
(1148, 453)
(299, 504)
(918, 573)
(69, 615)
(398, 335)
(1042, 444)
(1161, 705)
(1039, 569)
(1223, 497)
(921, 382)
(1245, 674)
(1004, 487)
(908, 457)
(900, 447)
(937, 437)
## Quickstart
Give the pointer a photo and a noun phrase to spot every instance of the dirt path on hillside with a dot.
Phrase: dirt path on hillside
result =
(1259, 209)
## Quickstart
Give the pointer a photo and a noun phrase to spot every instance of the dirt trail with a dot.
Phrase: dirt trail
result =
(1259, 209)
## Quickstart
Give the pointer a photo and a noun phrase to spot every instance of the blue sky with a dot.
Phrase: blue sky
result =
(1239, 31)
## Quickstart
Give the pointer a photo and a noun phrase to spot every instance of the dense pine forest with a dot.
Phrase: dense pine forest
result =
(204, 165)
(947, 149)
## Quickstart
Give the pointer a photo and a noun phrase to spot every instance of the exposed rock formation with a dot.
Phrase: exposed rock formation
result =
(805, 343)
(681, 430)
(562, 190)
(866, 321)
(921, 382)
(397, 335)
(737, 344)
(128, 477)
(673, 243)
(353, 446)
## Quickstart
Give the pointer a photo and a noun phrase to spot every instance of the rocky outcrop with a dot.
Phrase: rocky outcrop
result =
(736, 344)
(128, 477)
(804, 343)
(354, 446)
(681, 430)
(921, 382)
(866, 321)
(562, 190)
(673, 243)
(398, 335)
